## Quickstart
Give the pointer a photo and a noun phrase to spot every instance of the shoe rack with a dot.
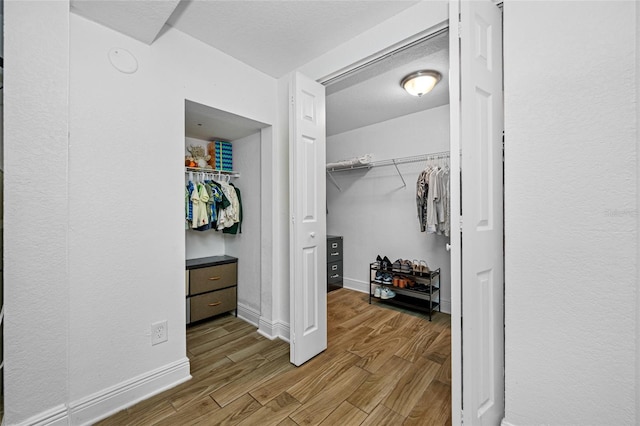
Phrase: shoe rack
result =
(418, 290)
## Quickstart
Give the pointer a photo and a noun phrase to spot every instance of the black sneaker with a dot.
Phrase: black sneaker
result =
(378, 262)
(386, 263)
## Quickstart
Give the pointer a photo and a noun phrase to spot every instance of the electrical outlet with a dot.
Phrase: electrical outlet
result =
(159, 332)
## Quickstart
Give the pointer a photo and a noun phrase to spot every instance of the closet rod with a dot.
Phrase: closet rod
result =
(389, 162)
(394, 161)
(229, 173)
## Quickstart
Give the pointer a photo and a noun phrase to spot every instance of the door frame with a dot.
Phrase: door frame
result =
(455, 253)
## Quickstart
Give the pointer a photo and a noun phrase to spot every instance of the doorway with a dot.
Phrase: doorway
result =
(237, 254)
(373, 208)
(475, 142)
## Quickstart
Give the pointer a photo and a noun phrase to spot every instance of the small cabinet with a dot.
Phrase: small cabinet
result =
(334, 262)
(211, 287)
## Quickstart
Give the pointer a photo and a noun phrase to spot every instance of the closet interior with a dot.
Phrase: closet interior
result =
(222, 213)
(380, 142)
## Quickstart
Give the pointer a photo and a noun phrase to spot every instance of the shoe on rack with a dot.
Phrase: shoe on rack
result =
(387, 294)
(377, 292)
(387, 278)
(406, 266)
(379, 277)
(423, 266)
(378, 262)
(397, 266)
(410, 282)
(386, 263)
(396, 281)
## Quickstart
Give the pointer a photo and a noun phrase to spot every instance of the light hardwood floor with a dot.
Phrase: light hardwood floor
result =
(381, 367)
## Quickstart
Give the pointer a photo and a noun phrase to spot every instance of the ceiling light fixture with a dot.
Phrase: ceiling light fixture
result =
(420, 82)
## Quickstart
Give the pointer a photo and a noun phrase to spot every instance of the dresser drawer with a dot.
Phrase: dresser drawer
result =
(210, 304)
(334, 272)
(334, 249)
(211, 278)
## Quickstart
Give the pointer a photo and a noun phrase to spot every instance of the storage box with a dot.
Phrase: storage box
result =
(223, 155)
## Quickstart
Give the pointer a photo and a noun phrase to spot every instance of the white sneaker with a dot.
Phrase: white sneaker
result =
(387, 293)
(376, 292)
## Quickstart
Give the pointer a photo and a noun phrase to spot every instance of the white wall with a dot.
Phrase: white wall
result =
(140, 260)
(92, 270)
(374, 213)
(202, 243)
(570, 212)
(246, 245)
(36, 274)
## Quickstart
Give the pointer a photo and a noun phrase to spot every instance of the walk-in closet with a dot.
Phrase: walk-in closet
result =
(380, 141)
(222, 233)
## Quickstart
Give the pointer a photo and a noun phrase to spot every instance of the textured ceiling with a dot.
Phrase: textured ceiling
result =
(276, 37)
(140, 19)
(279, 36)
(373, 94)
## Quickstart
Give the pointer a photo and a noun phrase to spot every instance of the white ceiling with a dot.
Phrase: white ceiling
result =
(374, 94)
(140, 19)
(279, 36)
(276, 37)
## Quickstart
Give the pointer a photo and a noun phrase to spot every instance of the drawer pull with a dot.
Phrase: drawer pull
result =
(334, 245)
(334, 267)
(335, 276)
(335, 253)
(215, 303)
(214, 278)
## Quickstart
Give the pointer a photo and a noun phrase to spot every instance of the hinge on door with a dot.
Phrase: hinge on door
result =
(459, 29)
(460, 223)
(292, 100)
(293, 219)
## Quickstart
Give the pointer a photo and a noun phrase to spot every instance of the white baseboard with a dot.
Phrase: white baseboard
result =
(270, 329)
(282, 330)
(116, 398)
(504, 422)
(249, 314)
(274, 329)
(356, 285)
(56, 416)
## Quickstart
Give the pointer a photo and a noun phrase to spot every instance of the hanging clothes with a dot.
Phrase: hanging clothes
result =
(237, 226)
(422, 191)
(212, 205)
(200, 198)
(432, 200)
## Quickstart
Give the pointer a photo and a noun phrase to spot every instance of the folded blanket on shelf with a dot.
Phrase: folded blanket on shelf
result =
(365, 160)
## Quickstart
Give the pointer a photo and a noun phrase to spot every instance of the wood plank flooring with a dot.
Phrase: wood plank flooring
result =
(382, 367)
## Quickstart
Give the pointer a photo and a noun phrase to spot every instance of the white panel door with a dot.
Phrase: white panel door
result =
(308, 255)
(482, 290)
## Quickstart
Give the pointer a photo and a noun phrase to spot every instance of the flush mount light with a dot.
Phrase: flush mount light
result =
(420, 82)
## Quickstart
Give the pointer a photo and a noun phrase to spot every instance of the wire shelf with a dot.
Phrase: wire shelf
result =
(390, 162)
